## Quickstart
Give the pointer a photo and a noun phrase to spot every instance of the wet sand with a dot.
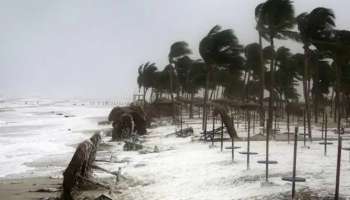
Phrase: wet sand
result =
(26, 188)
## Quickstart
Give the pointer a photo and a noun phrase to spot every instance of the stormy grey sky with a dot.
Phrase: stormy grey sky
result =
(85, 48)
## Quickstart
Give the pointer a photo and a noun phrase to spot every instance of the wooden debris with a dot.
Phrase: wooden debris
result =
(186, 132)
(132, 146)
(46, 190)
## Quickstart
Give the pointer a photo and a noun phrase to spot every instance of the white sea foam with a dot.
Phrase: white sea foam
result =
(32, 130)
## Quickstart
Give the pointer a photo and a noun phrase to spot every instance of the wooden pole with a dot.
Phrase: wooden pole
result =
(325, 134)
(233, 141)
(267, 156)
(322, 128)
(253, 122)
(336, 197)
(212, 138)
(181, 118)
(222, 134)
(248, 140)
(304, 128)
(294, 161)
(288, 129)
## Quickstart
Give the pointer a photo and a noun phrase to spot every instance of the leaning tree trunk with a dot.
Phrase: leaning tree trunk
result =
(80, 165)
(262, 83)
(306, 89)
(226, 119)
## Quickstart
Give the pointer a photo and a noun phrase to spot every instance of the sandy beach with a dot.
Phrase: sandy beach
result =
(28, 188)
(168, 167)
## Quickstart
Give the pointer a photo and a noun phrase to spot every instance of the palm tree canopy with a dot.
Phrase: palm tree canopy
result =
(314, 24)
(182, 68)
(197, 74)
(220, 47)
(277, 17)
(252, 54)
(178, 50)
(268, 53)
(146, 72)
(149, 70)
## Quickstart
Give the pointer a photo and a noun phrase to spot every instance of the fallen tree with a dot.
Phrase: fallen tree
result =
(127, 120)
(223, 112)
(80, 167)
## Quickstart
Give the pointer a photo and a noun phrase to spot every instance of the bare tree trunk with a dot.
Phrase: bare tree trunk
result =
(191, 106)
(204, 123)
(306, 90)
(262, 83)
(172, 93)
(316, 95)
(271, 98)
(338, 93)
(247, 88)
(144, 96)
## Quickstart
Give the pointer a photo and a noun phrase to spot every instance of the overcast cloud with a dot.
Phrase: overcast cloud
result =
(86, 48)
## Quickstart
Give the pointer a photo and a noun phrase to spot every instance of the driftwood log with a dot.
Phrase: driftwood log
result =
(223, 112)
(80, 167)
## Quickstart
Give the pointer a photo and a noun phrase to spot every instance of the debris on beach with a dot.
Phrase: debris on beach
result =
(79, 169)
(127, 120)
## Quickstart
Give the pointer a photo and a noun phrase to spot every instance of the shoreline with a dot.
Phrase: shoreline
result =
(28, 188)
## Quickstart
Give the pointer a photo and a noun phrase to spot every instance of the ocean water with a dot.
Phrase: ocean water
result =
(42, 129)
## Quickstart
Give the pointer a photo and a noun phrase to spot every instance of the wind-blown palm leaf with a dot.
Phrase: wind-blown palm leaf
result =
(178, 49)
(277, 16)
(315, 24)
(220, 47)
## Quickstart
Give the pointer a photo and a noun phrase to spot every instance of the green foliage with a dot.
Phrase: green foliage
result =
(312, 25)
(276, 17)
(220, 47)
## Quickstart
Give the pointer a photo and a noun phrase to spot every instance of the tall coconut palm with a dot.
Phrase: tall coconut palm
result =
(177, 50)
(276, 17)
(311, 25)
(218, 47)
(146, 77)
(261, 32)
(337, 42)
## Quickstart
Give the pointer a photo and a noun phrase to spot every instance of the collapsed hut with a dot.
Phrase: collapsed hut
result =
(127, 120)
(226, 119)
(80, 167)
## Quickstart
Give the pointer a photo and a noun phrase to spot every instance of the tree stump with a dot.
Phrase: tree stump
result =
(80, 166)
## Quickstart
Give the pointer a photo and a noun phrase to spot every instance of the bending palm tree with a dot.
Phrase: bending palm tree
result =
(310, 26)
(219, 47)
(276, 18)
(259, 28)
(177, 50)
